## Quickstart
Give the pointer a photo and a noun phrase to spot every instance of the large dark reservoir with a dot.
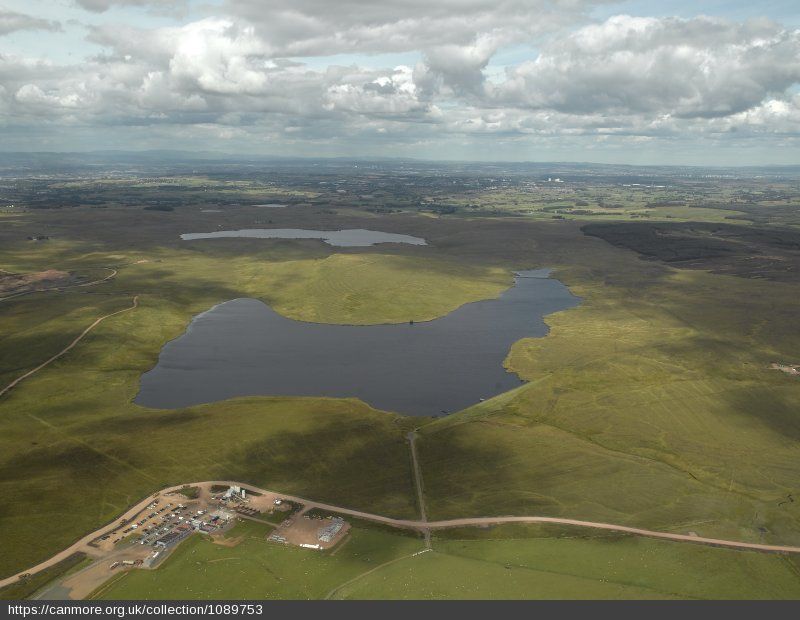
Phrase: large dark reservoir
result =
(243, 348)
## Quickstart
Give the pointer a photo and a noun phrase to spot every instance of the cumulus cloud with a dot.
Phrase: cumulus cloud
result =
(390, 94)
(773, 116)
(454, 69)
(210, 71)
(100, 6)
(243, 71)
(698, 67)
(217, 56)
(321, 27)
(11, 21)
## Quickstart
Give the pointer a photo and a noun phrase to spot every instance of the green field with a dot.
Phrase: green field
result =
(651, 404)
(26, 588)
(379, 564)
(258, 569)
(579, 569)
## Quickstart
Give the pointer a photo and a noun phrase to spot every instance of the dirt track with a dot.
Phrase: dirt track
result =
(19, 380)
(113, 274)
(418, 485)
(422, 526)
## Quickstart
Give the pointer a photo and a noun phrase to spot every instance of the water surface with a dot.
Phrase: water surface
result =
(342, 238)
(242, 348)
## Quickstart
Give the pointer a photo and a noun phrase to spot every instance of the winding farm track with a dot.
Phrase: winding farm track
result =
(83, 544)
(63, 351)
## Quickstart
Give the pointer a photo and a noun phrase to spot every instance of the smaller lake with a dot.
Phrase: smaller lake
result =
(244, 348)
(357, 237)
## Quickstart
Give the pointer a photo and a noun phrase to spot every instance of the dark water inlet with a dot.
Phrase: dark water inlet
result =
(244, 348)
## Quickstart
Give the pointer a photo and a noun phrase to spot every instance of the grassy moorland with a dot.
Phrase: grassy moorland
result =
(651, 404)
(81, 452)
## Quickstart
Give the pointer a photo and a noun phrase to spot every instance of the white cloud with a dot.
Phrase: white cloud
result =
(11, 21)
(100, 6)
(241, 73)
(775, 116)
(32, 95)
(687, 68)
(217, 56)
(321, 27)
(388, 95)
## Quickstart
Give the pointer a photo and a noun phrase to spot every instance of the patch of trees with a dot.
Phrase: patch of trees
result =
(667, 242)
(441, 209)
(666, 203)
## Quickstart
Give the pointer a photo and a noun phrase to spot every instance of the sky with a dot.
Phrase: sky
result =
(703, 82)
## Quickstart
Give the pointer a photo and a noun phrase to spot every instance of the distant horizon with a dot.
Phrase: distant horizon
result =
(210, 155)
